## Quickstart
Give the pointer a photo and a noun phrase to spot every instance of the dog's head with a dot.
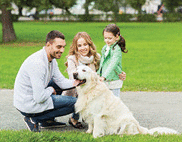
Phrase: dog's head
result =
(85, 74)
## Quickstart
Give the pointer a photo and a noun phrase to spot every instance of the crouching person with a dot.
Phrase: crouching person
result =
(39, 84)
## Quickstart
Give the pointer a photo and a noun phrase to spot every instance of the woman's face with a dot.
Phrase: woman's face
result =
(83, 47)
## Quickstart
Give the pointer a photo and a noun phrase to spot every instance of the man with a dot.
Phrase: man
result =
(36, 87)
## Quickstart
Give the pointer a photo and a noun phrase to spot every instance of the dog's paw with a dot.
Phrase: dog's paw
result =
(97, 135)
(89, 131)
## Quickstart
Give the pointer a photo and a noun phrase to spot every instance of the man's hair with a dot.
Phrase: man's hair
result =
(54, 34)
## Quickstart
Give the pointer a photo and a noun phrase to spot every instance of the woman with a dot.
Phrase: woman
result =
(82, 52)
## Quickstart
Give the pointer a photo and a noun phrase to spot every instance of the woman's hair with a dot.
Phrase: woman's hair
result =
(116, 31)
(92, 49)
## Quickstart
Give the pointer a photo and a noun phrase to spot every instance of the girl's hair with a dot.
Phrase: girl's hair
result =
(92, 49)
(116, 31)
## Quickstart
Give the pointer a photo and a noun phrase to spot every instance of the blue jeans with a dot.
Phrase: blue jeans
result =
(63, 105)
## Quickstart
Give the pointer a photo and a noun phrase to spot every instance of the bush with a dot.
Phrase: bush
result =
(86, 18)
(124, 17)
(14, 17)
(172, 17)
(146, 18)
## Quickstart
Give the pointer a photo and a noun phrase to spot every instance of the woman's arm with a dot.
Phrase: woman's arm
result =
(71, 67)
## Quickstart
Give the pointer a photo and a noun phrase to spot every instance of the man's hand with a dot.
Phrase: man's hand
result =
(78, 82)
(122, 76)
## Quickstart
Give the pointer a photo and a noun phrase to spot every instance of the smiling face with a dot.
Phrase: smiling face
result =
(56, 48)
(83, 47)
(109, 38)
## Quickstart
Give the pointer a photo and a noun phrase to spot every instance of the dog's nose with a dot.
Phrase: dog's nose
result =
(75, 75)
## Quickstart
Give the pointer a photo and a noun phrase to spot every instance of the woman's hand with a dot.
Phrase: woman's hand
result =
(54, 91)
(122, 76)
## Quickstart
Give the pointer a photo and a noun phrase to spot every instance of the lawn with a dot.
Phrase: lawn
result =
(153, 61)
(75, 136)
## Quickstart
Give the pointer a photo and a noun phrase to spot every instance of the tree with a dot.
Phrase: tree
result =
(31, 4)
(124, 3)
(27, 3)
(86, 5)
(64, 4)
(105, 6)
(109, 5)
(137, 4)
(7, 24)
(172, 4)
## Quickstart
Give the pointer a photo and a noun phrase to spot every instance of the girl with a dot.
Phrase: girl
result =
(82, 52)
(110, 69)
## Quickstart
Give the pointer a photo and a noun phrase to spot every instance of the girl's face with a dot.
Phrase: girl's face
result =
(109, 38)
(83, 47)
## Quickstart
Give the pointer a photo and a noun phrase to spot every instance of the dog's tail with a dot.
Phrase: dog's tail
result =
(162, 130)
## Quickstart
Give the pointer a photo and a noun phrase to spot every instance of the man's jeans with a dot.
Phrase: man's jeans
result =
(63, 105)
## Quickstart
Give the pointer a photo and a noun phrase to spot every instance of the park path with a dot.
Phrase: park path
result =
(151, 109)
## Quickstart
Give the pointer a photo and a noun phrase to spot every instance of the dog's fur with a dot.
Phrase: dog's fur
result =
(102, 110)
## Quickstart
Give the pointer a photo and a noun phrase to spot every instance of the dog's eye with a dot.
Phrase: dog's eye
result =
(84, 70)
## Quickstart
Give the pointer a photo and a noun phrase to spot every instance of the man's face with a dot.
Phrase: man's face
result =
(57, 48)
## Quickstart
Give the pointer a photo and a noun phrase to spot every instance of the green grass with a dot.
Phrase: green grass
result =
(153, 61)
(74, 136)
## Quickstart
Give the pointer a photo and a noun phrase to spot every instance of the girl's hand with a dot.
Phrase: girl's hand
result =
(122, 76)
(102, 78)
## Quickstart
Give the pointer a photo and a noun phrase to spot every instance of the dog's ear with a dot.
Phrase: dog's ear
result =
(94, 77)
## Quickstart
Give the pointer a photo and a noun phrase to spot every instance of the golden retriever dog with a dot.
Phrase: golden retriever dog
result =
(105, 113)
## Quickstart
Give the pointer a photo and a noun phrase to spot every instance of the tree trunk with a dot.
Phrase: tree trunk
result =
(140, 9)
(125, 6)
(87, 2)
(20, 11)
(7, 24)
(116, 10)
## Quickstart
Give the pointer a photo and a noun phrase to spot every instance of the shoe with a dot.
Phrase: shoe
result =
(31, 125)
(78, 125)
(52, 124)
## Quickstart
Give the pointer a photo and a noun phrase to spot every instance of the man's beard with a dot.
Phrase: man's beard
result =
(54, 55)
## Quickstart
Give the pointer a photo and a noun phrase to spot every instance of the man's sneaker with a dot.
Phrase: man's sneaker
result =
(31, 125)
(52, 124)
